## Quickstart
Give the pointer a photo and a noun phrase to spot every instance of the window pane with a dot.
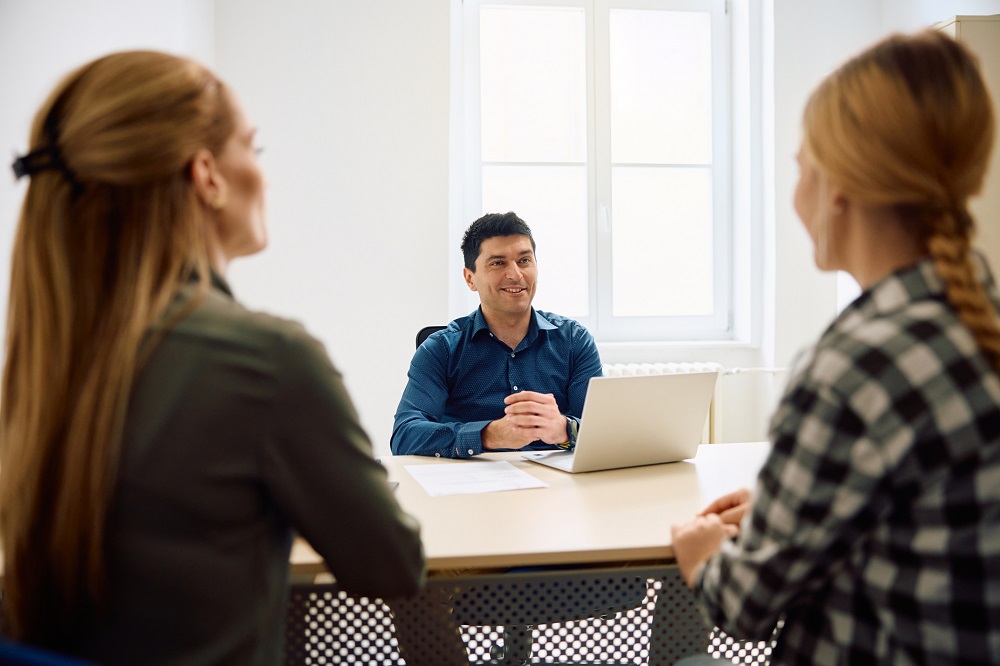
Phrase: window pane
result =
(662, 241)
(661, 87)
(533, 84)
(553, 201)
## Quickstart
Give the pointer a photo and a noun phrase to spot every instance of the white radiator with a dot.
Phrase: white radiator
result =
(751, 396)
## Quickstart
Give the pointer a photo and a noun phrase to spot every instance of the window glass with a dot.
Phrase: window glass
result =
(661, 87)
(662, 247)
(533, 92)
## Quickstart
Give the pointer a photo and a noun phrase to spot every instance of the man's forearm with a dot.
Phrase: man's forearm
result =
(420, 437)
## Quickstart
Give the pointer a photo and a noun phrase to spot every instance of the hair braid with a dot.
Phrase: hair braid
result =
(950, 248)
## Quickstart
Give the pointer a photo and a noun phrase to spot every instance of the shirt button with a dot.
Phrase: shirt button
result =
(437, 455)
(513, 355)
(515, 388)
(471, 452)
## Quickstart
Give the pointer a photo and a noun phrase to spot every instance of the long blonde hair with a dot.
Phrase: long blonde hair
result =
(909, 123)
(102, 245)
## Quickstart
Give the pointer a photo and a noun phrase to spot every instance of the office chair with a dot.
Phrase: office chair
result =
(426, 331)
(15, 654)
(517, 639)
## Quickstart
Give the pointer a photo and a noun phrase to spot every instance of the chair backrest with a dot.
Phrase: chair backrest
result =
(15, 654)
(423, 333)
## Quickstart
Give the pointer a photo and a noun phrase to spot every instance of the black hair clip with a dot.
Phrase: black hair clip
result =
(45, 159)
(37, 160)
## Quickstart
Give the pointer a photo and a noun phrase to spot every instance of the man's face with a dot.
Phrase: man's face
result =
(505, 276)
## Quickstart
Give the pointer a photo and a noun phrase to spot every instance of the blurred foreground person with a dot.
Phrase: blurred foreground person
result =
(159, 441)
(874, 528)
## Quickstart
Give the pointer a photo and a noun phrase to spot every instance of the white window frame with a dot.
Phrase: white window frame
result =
(736, 211)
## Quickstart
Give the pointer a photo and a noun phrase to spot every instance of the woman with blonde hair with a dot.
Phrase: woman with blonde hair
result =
(160, 442)
(873, 533)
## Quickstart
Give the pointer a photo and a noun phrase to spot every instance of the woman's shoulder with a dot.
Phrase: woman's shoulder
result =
(873, 361)
(220, 320)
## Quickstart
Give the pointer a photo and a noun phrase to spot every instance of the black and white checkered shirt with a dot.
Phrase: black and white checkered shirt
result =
(875, 529)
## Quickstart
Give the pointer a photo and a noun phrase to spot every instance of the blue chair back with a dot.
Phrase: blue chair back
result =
(15, 654)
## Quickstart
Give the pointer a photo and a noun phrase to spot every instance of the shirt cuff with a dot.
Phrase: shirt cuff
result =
(469, 441)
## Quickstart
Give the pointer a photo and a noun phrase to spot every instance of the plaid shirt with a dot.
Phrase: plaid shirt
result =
(875, 528)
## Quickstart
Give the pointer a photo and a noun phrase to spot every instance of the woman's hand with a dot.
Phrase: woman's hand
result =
(696, 541)
(730, 508)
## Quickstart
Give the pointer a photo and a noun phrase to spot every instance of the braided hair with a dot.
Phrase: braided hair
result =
(909, 124)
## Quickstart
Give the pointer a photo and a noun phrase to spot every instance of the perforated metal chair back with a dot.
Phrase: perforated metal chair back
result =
(328, 627)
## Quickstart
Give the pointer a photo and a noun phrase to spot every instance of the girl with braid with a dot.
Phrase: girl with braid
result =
(873, 533)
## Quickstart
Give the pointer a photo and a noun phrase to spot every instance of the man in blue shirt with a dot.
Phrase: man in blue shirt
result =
(506, 377)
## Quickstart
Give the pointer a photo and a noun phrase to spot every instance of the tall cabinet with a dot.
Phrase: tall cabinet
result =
(982, 35)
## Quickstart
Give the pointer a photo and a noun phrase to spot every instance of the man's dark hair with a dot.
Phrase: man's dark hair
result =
(490, 226)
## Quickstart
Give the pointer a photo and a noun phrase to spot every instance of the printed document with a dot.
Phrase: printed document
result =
(471, 477)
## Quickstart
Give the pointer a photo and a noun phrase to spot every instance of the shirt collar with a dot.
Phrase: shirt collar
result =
(215, 280)
(537, 323)
(221, 284)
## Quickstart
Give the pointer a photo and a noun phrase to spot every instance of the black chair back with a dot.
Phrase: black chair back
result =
(423, 333)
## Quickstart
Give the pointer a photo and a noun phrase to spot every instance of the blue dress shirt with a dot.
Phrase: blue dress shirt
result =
(460, 376)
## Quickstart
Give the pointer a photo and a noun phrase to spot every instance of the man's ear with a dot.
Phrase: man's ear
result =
(467, 274)
(207, 180)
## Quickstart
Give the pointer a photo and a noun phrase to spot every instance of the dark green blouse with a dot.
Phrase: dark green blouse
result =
(239, 431)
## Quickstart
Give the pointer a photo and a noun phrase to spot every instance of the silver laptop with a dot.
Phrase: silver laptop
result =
(632, 421)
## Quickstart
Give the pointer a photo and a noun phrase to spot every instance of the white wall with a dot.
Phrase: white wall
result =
(351, 99)
(42, 40)
(908, 15)
(810, 39)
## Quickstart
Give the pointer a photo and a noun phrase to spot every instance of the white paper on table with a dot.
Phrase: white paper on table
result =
(467, 478)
